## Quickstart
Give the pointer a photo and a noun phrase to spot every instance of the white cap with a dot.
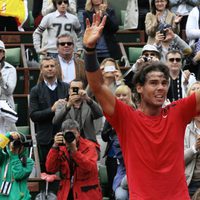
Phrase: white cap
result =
(2, 46)
(150, 47)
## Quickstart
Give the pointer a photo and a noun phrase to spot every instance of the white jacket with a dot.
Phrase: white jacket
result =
(132, 14)
(192, 26)
(189, 156)
(8, 82)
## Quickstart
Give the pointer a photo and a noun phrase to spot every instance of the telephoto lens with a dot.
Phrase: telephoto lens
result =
(69, 136)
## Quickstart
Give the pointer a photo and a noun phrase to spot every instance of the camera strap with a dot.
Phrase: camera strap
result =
(6, 185)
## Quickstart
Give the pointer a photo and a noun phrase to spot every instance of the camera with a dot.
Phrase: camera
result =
(146, 59)
(69, 136)
(22, 141)
(162, 28)
(75, 90)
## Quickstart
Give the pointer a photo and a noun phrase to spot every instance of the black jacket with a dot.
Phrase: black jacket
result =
(40, 110)
(110, 28)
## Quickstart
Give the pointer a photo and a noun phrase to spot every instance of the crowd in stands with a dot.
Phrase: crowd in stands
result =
(82, 93)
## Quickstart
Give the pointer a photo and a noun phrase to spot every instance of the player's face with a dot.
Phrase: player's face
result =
(154, 91)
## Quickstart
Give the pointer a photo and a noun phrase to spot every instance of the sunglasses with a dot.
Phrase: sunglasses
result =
(60, 2)
(175, 59)
(64, 43)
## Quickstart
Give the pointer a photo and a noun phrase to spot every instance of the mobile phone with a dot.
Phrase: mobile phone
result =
(109, 68)
(182, 14)
(75, 90)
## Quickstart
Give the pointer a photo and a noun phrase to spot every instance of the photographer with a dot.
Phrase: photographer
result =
(166, 40)
(160, 14)
(149, 53)
(80, 107)
(15, 167)
(76, 160)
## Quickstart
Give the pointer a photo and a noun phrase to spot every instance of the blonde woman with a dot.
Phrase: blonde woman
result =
(123, 93)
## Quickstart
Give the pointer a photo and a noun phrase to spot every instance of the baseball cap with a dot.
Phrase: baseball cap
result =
(2, 45)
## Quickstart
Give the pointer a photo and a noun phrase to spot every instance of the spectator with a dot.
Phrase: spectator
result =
(43, 100)
(179, 80)
(107, 45)
(167, 40)
(48, 7)
(16, 167)
(8, 81)
(193, 26)
(182, 8)
(135, 14)
(154, 162)
(75, 7)
(149, 53)
(191, 148)
(157, 19)
(81, 108)
(111, 74)
(72, 66)
(192, 33)
(76, 160)
(57, 23)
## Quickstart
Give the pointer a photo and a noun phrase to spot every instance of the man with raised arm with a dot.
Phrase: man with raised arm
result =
(151, 137)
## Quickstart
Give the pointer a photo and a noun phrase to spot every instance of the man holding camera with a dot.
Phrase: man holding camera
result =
(149, 53)
(79, 107)
(76, 160)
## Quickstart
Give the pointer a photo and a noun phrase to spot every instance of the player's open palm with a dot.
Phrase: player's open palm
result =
(93, 31)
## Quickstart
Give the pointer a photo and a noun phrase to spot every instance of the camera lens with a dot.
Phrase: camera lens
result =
(69, 136)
